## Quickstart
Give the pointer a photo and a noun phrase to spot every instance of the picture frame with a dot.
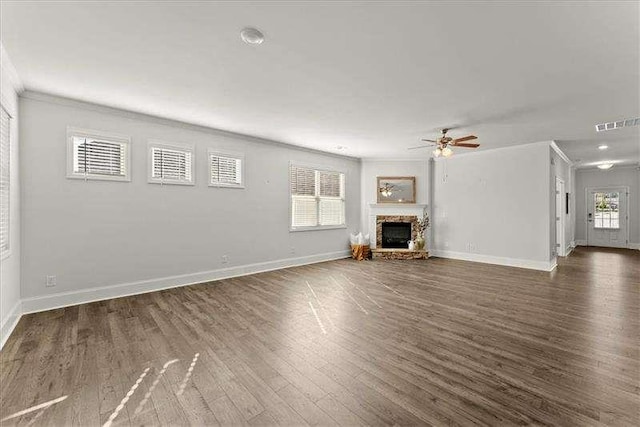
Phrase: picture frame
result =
(396, 189)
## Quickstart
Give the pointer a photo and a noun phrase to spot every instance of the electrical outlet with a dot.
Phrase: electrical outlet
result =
(50, 281)
(225, 259)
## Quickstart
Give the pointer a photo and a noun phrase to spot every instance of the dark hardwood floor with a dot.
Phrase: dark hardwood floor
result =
(344, 342)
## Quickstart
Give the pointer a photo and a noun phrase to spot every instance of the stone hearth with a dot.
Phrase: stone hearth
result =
(399, 254)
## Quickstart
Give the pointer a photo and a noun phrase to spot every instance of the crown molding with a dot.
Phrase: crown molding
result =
(560, 153)
(130, 114)
(459, 154)
(616, 166)
(392, 159)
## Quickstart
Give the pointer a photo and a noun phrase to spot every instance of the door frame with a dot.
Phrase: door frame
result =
(561, 246)
(587, 193)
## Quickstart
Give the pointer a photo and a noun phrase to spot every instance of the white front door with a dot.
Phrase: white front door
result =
(607, 217)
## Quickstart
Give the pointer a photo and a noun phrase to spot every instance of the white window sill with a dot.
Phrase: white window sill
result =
(100, 178)
(153, 181)
(227, 186)
(317, 228)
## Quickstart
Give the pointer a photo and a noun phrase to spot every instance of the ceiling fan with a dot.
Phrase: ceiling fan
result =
(444, 143)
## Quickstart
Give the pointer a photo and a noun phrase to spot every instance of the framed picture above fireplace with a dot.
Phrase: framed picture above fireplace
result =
(396, 189)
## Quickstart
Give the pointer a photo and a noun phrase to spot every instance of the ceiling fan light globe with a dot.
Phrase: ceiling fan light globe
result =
(447, 152)
(437, 152)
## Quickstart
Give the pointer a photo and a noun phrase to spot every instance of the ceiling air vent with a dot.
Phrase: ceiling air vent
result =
(617, 124)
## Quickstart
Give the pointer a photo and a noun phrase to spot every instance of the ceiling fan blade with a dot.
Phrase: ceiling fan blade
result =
(465, 138)
(419, 146)
(428, 140)
(465, 145)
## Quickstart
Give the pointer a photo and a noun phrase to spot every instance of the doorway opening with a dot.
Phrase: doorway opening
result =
(561, 246)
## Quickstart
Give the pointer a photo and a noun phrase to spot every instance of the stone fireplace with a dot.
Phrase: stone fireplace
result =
(392, 224)
(399, 230)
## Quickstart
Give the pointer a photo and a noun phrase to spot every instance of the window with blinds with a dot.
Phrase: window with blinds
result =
(317, 198)
(226, 170)
(5, 180)
(95, 156)
(171, 164)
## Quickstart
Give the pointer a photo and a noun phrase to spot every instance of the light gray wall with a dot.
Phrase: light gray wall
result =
(497, 201)
(99, 233)
(10, 265)
(371, 169)
(627, 176)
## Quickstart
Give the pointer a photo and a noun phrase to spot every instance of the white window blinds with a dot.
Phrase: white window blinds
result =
(225, 170)
(171, 165)
(97, 157)
(5, 180)
(317, 197)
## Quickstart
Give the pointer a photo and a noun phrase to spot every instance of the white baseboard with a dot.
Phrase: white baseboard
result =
(489, 259)
(569, 249)
(9, 322)
(65, 299)
(630, 245)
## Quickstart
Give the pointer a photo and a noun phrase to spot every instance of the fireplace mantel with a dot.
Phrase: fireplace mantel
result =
(397, 206)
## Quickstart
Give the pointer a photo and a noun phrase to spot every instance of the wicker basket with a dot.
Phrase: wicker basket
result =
(360, 252)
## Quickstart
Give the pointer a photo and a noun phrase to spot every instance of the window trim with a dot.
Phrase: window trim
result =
(595, 212)
(231, 154)
(6, 252)
(73, 132)
(320, 168)
(155, 143)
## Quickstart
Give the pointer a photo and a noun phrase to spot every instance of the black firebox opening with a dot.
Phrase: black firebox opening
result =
(396, 234)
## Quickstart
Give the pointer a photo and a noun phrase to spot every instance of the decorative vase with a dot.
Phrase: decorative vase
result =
(412, 245)
(419, 243)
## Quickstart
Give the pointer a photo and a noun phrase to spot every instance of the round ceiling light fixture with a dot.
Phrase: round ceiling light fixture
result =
(251, 36)
(605, 166)
(603, 147)
(447, 152)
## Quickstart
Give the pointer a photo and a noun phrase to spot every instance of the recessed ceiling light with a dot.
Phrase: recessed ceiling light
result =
(252, 36)
(617, 124)
(605, 166)
(603, 147)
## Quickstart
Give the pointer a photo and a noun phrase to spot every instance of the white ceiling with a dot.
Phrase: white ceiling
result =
(374, 77)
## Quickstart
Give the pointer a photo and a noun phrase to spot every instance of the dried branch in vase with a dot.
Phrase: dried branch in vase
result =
(423, 223)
